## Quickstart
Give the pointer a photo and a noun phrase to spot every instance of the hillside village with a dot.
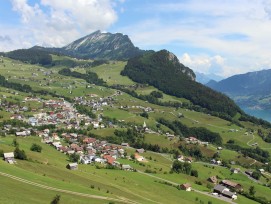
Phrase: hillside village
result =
(127, 138)
(89, 150)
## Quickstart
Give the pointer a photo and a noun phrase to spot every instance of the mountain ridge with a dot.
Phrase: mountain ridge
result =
(98, 45)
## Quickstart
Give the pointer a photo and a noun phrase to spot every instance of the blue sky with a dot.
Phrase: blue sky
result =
(224, 37)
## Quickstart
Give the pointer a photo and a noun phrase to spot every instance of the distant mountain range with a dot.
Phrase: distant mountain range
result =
(98, 45)
(252, 89)
(205, 78)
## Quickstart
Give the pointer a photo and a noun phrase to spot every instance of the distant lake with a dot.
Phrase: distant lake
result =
(263, 114)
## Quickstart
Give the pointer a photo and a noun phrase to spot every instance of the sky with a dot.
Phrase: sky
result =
(223, 37)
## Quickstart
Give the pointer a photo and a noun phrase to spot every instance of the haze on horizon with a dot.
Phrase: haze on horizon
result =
(220, 37)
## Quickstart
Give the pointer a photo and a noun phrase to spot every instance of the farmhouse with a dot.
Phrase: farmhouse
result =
(225, 192)
(235, 170)
(186, 187)
(9, 157)
(232, 185)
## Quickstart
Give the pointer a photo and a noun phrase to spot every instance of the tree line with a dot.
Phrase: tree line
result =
(89, 77)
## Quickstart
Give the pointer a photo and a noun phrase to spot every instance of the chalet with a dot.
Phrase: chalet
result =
(99, 160)
(217, 162)
(110, 160)
(140, 151)
(125, 144)
(57, 145)
(9, 157)
(188, 159)
(126, 167)
(186, 187)
(72, 166)
(213, 179)
(225, 192)
(181, 158)
(23, 133)
(70, 151)
(235, 170)
(249, 172)
(139, 158)
(261, 170)
(232, 185)
(86, 159)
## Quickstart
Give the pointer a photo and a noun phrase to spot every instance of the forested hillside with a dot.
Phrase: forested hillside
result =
(165, 72)
(31, 56)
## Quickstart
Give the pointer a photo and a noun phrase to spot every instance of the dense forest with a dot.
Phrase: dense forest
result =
(31, 56)
(162, 71)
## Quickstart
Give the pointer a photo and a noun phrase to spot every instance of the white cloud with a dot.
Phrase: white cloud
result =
(209, 64)
(237, 30)
(56, 23)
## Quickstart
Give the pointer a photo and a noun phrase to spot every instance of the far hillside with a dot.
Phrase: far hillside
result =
(164, 71)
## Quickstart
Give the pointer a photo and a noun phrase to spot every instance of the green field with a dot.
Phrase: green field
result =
(48, 168)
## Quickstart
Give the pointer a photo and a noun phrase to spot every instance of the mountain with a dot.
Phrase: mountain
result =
(249, 90)
(99, 45)
(252, 83)
(163, 70)
(205, 78)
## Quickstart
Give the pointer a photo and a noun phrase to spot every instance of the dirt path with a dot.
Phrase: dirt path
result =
(120, 199)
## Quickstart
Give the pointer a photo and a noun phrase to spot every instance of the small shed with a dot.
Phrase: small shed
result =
(126, 167)
(72, 166)
(213, 179)
(140, 151)
(9, 157)
(186, 187)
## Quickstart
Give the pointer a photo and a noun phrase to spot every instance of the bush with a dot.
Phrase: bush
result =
(56, 199)
(74, 157)
(256, 175)
(194, 173)
(19, 154)
(35, 148)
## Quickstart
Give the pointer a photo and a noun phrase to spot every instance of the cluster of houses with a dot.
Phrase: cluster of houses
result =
(96, 105)
(194, 140)
(142, 108)
(89, 149)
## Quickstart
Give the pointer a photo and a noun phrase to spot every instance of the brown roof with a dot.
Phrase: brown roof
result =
(213, 179)
(229, 183)
(186, 185)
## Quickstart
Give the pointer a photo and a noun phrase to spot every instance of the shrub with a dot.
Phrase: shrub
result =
(35, 148)
(19, 154)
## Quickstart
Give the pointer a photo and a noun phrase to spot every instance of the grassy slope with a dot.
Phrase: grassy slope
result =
(48, 168)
